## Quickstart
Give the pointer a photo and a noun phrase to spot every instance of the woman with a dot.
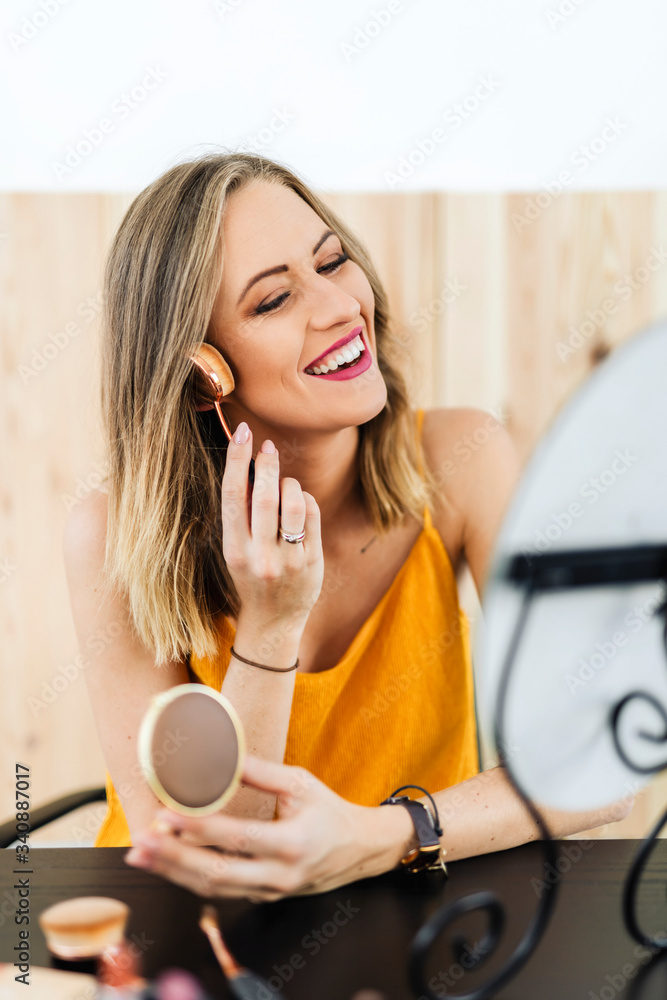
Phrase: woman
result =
(236, 250)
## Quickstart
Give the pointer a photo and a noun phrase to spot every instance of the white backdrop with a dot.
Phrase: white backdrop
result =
(391, 95)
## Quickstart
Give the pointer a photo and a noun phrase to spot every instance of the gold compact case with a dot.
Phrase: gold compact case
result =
(191, 748)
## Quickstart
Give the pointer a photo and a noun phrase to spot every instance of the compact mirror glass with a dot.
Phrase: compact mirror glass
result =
(191, 748)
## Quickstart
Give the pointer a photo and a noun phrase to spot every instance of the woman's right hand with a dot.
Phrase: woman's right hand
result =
(278, 582)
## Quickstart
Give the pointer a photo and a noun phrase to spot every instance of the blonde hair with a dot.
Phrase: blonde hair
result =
(165, 459)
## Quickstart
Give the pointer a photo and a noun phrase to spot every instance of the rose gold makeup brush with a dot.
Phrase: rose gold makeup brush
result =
(242, 982)
(214, 380)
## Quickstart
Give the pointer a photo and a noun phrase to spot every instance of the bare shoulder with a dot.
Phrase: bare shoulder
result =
(475, 462)
(85, 532)
(461, 439)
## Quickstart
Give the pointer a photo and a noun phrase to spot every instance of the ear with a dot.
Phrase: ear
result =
(203, 406)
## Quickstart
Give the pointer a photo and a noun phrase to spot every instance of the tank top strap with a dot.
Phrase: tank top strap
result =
(420, 424)
(428, 524)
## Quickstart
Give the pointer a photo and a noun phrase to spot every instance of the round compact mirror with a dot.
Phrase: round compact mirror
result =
(191, 748)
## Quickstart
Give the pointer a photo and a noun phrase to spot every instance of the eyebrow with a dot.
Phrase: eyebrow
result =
(282, 267)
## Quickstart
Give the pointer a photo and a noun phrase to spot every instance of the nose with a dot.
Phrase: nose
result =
(330, 305)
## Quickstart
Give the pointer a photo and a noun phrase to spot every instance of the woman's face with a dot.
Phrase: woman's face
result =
(272, 327)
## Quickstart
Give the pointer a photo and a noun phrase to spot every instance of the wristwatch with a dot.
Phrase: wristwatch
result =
(429, 855)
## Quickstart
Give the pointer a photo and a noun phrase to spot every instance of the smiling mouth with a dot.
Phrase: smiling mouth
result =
(345, 357)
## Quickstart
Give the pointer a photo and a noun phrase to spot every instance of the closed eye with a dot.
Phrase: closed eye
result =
(331, 268)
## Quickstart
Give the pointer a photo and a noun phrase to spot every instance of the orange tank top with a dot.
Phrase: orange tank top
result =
(397, 709)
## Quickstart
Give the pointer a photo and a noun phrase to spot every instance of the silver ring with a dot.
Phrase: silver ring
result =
(292, 538)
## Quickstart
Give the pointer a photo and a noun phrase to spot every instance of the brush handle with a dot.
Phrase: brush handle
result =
(249, 986)
(251, 472)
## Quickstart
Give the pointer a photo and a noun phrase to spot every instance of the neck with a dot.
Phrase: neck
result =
(325, 465)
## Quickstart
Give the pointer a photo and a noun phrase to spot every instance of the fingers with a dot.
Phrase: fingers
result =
(282, 779)
(312, 543)
(235, 523)
(252, 546)
(266, 494)
(292, 506)
(262, 839)
(209, 873)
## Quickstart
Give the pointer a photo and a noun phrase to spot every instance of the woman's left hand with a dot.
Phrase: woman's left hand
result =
(318, 841)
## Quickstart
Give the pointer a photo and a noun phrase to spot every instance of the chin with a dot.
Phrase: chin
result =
(370, 400)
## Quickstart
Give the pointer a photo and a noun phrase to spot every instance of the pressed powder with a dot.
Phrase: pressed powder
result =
(191, 748)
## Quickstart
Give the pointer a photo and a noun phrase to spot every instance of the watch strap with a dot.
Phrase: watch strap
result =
(429, 853)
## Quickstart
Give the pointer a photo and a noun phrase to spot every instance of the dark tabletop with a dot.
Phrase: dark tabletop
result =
(328, 946)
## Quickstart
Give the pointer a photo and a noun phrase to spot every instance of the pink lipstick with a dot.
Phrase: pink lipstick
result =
(334, 347)
(358, 367)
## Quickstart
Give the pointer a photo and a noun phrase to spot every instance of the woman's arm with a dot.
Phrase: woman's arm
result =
(321, 841)
(277, 583)
(121, 675)
(485, 814)
(122, 678)
(475, 459)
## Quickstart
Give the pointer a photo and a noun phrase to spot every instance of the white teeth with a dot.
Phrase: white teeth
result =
(348, 353)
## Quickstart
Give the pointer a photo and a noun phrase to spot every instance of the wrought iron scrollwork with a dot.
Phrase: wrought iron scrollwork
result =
(488, 902)
(549, 572)
(641, 859)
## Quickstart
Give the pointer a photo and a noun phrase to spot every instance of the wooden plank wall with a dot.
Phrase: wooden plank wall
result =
(482, 300)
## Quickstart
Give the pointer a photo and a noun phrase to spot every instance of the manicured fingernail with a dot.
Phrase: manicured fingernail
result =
(242, 433)
(268, 447)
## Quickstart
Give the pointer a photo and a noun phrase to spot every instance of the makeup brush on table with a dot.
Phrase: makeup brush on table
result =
(244, 984)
